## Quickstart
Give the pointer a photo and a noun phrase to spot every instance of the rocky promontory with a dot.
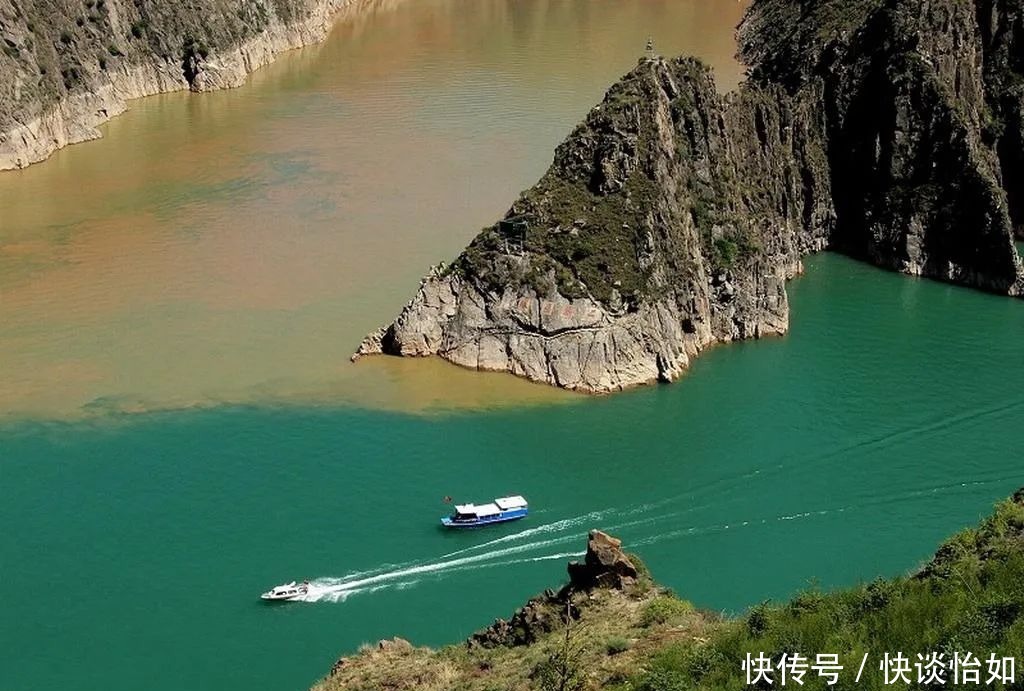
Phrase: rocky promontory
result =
(67, 66)
(671, 219)
(605, 592)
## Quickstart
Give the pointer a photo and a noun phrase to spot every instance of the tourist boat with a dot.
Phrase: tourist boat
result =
(476, 515)
(288, 591)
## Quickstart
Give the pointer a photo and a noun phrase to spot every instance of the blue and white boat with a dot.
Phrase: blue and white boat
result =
(476, 515)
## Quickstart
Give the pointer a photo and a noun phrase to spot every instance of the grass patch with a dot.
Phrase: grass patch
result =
(664, 609)
(616, 645)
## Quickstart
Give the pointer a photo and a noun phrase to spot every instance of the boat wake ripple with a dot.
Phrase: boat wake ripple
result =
(650, 523)
(338, 589)
(553, 527)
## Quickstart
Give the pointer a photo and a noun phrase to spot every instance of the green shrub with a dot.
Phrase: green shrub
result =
(616, 645)
(727, 252)
(757, 620)
(666, 670)
(664, 609)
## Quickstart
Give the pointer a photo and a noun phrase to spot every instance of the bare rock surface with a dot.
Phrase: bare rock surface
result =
(605, 566)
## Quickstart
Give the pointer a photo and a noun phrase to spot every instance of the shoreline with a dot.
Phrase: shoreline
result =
(75, 118)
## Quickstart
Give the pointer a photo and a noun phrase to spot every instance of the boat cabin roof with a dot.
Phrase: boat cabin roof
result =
(507, 503)
(481, 510)
(487, 510)
(492, 509)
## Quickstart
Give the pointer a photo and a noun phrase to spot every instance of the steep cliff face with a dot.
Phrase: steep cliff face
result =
(915, 93)
(671, 219)
(668, 221)
(67, 66)
(1001, 27)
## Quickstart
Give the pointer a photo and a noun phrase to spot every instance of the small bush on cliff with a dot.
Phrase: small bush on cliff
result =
(679, 666)
(616, 645)
(563, 669)
(727, 251)
(663, 610)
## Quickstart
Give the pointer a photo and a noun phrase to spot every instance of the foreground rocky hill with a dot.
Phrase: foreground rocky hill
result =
(67, 66)
(671, 218)
(611, 627)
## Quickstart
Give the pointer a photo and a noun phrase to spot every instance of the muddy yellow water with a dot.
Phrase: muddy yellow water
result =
(236, 246)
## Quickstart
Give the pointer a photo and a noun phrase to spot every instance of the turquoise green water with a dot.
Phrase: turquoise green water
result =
(134, 548)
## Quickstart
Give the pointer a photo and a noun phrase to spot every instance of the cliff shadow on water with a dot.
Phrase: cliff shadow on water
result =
(672, 217)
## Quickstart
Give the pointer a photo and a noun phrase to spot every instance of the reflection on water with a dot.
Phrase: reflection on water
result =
(236, 246)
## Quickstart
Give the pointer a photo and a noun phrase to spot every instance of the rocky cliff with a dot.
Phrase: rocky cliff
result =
(67, 66)
(671, 218)
(606, 593)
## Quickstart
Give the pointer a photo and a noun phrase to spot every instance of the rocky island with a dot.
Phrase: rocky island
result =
(612, 627)
(671, 219)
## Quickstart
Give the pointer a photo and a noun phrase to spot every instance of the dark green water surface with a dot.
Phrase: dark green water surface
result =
(133, 548)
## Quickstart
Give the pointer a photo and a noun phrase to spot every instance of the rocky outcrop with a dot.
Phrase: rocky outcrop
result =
(644, 245)
(605, 566)
(538, 617)
(671, 219)
(66, 67)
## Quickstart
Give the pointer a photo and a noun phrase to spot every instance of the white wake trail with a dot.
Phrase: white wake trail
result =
(338, 589)
(553, 527)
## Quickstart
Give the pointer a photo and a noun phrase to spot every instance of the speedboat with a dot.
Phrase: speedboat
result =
(477, 515)
(289, 591)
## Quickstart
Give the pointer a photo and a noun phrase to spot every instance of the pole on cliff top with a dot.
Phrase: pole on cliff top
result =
(650, 48)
